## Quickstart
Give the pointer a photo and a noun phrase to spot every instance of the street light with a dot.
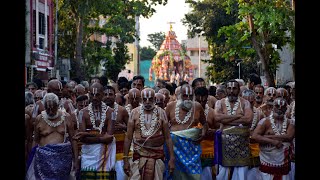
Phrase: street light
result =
(199, 35)
(238, 61)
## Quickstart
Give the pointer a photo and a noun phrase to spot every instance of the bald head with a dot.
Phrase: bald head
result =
(55, 86)
(79, 90)
(134, 97)
(148, 98)
(270, 95)
(282, 92)
(96, 93)
(166, 93)
(160, 100)
(186, 92)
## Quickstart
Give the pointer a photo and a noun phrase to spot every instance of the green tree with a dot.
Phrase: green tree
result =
(267, 26)
(82, 18)
(156, 39)
(207, 17)
(147, 53)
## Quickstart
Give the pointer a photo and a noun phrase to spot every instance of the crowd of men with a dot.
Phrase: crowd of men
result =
(121, 130)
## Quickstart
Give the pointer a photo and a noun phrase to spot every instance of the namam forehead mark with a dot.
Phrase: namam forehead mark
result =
(232, 84)
(148, 94)
(187, 90)
(271, 90)
(108, 91)
(280, 102)
(59, 85)
(94, 91)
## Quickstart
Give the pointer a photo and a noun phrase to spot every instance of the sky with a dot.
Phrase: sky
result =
(173, 11)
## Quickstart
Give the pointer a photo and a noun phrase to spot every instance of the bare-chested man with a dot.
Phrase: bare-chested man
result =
(134, 99)
(160, 100)
(98, 149)
(274, 134)
(199, 82)
(235, 115)
(221, 92)
(259, 95)
(55, 150)
(184, 115)
(148, 128)
(269, 95)
(166, 93)
(121, 116)
(54, 86)
(207, 143)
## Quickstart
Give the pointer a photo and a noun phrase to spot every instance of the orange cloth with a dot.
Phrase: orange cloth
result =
(119, 146)
(207, 148)
(254, 148)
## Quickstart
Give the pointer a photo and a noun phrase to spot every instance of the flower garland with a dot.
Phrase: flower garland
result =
(275, 129)
(235, 107)
(154, 121)
(128, 108)
(104, 108)
(255, 119)
(50, 123)
(206, 110)
(186, 118)
(116, 106)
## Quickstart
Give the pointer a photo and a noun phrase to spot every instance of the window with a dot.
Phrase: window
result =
(41, 43)
(34, 41)
(42, 24)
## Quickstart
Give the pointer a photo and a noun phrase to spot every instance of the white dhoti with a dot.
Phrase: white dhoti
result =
(119, 169)
(293, 171)
(206, 173)
(266, 176)
(98, 161)
(239, 173)
(254, 174)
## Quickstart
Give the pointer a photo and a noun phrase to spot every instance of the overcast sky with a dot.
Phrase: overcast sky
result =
(173, 11)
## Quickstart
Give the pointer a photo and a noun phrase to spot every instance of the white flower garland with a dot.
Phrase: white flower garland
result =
(186, 118)
(235, 107)
(50, 123)
(274, 127)
(206, 110)
(255, 119)
(104, 108)
(154, 121)
(128, 108)
(116, 107)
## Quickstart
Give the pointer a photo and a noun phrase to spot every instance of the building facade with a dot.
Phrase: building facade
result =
(197, 50)
(39, 42)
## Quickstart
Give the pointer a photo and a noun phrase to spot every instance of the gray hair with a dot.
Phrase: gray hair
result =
(50, 97)
(85, 84)
(29, 98)
(248, 92)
